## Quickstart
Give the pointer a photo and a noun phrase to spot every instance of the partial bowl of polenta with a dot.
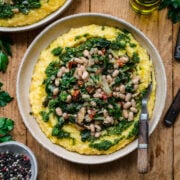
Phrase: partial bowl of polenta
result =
(23, 15)
(80, 87)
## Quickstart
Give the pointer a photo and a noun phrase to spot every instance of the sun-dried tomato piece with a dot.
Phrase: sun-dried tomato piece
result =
(90, 89)
(103, 50)
(104, 96)
(80, 83)
(75, 94)
(92, 114)
(120, 62)
(72, 64)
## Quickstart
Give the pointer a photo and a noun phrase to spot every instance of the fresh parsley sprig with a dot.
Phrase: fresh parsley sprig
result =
(6, 125)
(4, 97)
(5, 51)
(173, 9)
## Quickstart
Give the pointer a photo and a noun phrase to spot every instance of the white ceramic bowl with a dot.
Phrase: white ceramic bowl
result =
(40, 23)
(43, 40)
(19, 148)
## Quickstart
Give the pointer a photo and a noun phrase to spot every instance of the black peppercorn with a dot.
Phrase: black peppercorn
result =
(14, 166)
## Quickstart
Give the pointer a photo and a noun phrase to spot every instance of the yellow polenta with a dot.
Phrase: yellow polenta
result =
(37, 93)
(35, 15)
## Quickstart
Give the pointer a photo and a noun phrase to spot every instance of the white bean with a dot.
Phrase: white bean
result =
(100, 53)
(79, 72)
(124, 59)
(110, 56)
(130, 116)
(59, 74)
(87, 118)
(93, 51)
(98, 128)
(84, 96)
(108, 120)
(128, 97)
(97, 134)
(110, 106)
(122, 88)
(93, 103)
(116, 66)
(65, 115)
(133, 109)
(122, 96)
(81, 115)
(15, 10)
(58, 111)
(135, 87)
(136, 80)
(85, 75)
(115, 73)
(86, 53)
(125, 113)
(55, 91)
(133, 102)
(115, 94)
(109, 78)
(92, 128)
(84, 60)
(127, 105)
(105, 113)
(89, 111)
(97, 95)
(57, 82)
(136, 94)
(69, 97)
(78, 60)
(99, 90)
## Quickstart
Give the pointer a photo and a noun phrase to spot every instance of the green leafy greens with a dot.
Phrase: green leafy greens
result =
(8, 10)
(4, 97)
(5, 51)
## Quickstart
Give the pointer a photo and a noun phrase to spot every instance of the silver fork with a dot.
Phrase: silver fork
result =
(142, 162)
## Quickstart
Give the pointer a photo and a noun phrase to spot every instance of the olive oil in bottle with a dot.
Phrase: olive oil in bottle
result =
(144, 6)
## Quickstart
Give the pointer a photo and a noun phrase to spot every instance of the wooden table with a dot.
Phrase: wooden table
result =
(164, 142)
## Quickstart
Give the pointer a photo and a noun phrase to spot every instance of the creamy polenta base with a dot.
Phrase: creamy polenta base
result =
(112, 141)
(35, 15)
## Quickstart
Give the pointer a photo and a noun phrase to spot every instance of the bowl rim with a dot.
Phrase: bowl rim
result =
(135, 142)
(28, 150)
(39, 23)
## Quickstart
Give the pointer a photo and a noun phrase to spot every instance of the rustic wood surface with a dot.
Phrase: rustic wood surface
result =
(164, 142)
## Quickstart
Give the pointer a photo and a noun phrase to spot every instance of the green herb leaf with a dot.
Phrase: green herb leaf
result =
(63, 96)
(6, 125)
(5, 45)
(6, 138)
(5, 51)
(173, 9)
(4, 97)
(3, 61)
